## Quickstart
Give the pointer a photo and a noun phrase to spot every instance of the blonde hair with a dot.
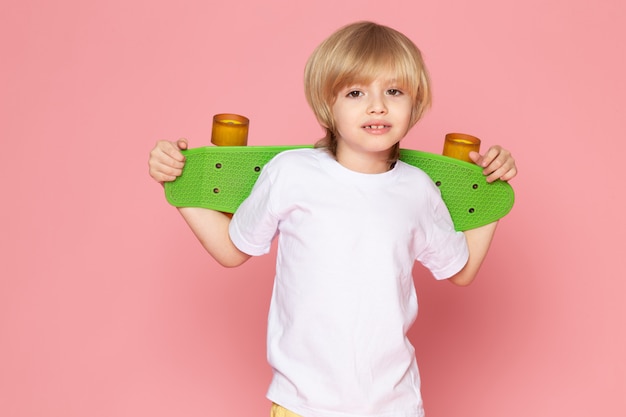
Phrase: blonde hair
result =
(359, 53)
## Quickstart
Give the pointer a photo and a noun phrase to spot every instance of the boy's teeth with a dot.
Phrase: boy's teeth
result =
(375, 127)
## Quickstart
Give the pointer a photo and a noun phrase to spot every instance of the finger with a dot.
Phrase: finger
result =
(163, 172)
(166, 162)
(172, 149)
(489, 156)
(504, 174)
(486, 159)
(182, 143)
(500, 159)
(503, 167)
(166, 148)
(498, 164)
(512, 172)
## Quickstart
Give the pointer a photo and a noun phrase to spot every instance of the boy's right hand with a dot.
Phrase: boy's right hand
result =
(166, 161)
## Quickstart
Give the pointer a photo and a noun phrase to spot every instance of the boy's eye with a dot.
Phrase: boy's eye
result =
(354, 94)
(394, 92)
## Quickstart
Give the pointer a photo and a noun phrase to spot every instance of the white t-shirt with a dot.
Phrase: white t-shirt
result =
(343, 296)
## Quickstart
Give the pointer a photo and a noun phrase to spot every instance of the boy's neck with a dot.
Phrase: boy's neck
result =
(364, 163)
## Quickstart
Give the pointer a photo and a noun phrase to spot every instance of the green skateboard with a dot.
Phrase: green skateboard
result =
(220, 178)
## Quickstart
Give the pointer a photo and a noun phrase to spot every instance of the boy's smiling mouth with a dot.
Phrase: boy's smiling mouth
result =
(376, 126)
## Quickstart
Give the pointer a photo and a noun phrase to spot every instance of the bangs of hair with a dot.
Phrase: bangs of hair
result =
(373, 53)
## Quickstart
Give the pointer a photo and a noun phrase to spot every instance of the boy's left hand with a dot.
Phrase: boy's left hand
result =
(498, 163)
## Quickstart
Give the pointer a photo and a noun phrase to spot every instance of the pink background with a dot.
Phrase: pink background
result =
(108, 305)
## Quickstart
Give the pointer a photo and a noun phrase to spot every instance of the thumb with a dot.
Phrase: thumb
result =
(474, 156)
(182, 143)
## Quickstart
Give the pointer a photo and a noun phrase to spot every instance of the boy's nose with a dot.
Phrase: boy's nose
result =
(377, 106)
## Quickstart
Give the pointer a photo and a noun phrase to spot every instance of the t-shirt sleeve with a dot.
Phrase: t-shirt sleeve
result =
(254, 226)
(446, 251)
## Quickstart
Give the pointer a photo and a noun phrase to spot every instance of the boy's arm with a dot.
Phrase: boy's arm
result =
(478, 242)
(498, 164)
(211, 229)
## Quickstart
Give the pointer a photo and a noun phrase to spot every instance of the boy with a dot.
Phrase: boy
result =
(352, 220)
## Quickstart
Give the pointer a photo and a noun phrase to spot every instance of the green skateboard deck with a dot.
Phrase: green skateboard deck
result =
(220, 178)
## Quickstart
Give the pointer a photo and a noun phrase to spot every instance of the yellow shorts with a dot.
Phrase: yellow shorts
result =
(278, 411)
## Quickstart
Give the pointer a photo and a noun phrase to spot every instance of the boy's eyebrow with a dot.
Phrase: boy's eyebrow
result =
(393, 81)
(360, 83)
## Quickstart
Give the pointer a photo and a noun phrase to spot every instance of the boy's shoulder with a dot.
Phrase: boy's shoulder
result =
(412, 171)
(297, 151)
(298, 156)
(291, 164)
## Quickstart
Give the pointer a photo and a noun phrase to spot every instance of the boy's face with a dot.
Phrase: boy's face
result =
(371, 118)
